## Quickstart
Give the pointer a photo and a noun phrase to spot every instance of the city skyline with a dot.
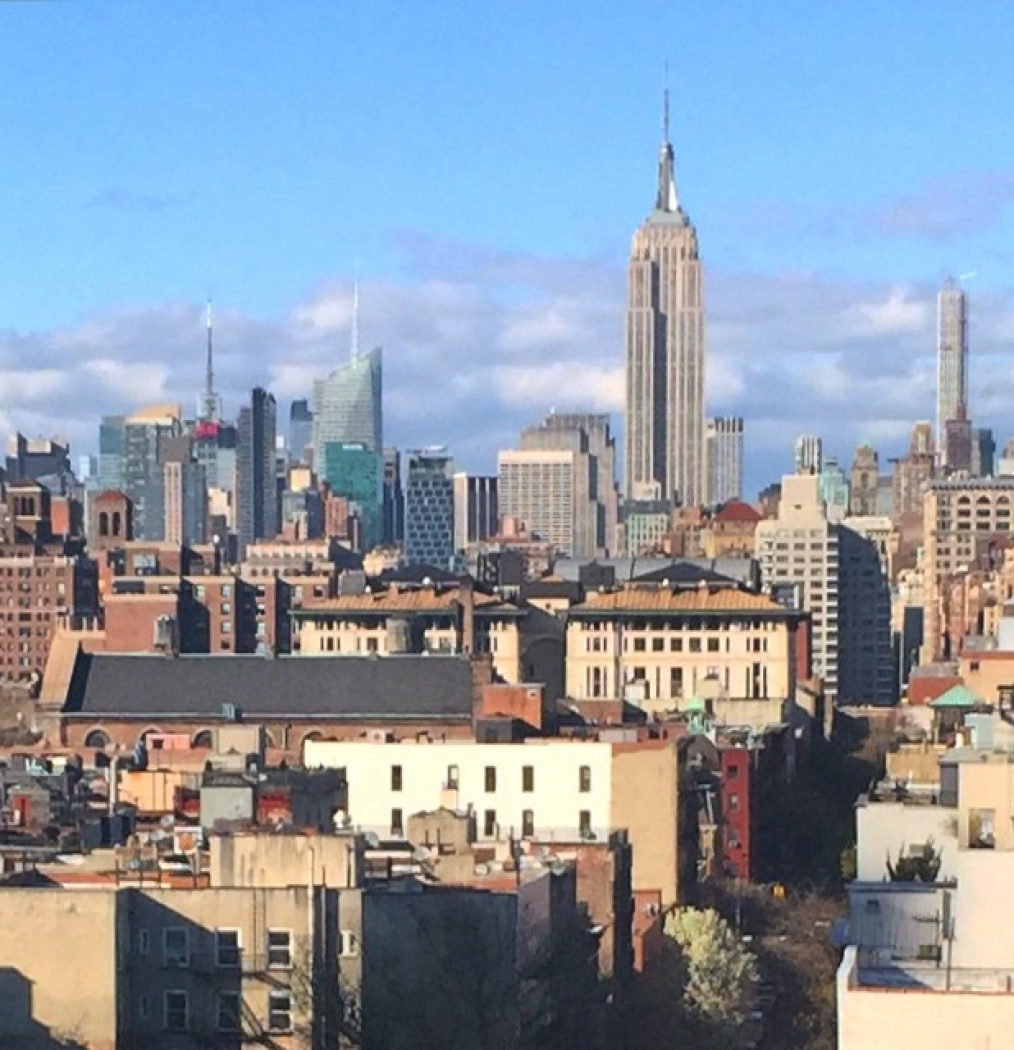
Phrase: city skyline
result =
(821, 288)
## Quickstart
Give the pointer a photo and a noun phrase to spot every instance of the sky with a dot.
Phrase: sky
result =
(483, 167)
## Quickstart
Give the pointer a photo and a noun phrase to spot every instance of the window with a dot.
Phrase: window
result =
(397, 822)
(279, 949)
(732, 772)
(528, 778)
(346, 943)
(527, 823)
(176, 946)
(396, 778)
(144, 1008)
(452, 777)
(227, 948)
(657, 645)
(639, 645)
(733, 803)
(279, 1012)
(584, 823)
(713, 644)
(489, 823)
(584, 779)
(226, 590)
(143, 942)
(491, 778)
(228, 1011)
(177, 1011)
(982, 829)
(695, 645)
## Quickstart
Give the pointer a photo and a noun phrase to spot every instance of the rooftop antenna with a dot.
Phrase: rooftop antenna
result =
(665, 105)
(210, 401)
(355, 312)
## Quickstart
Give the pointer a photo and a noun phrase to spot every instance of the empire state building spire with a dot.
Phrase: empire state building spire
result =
(209, 401)
(666, 198)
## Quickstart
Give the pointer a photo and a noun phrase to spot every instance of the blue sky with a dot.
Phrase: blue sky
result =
(487, 164)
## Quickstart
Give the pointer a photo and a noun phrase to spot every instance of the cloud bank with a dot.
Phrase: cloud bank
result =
(481, 343)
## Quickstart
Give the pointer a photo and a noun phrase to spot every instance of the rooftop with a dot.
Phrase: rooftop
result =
(407, 600)
(662, 599)
(428, 686)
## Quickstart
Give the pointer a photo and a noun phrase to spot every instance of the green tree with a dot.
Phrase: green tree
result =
(719, 974)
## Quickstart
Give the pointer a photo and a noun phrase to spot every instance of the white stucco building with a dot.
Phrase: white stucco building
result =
(549, 789)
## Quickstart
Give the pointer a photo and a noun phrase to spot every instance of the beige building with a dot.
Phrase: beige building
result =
(800, 548)
(109, 967)
(842, 582)
(549, 490)
(965, 519)
(660, 646)
(440, 618)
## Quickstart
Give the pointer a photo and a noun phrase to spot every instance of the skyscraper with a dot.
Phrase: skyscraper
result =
(725, 459)
(256, 496)
(429, 508)
(111, 439)
(665, 350)
(143, 477)
(547, 490)
(809, 454)
(300, 429)
(353, 471)
(864, 481)
(392, 499)
(476, 509)
(347, 406)
(952, 357)
(596, 510)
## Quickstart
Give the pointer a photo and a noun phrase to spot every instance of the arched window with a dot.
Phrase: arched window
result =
(103, 523)
(204, 739)
(97, 739)
(117, 523)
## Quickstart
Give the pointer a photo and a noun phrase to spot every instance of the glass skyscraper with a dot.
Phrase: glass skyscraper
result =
(354, 471)
(347, 407)
(429, 508)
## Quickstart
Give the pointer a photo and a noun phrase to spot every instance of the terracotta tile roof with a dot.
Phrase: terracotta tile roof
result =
(737, 511)
(408, 600)
(662, 599)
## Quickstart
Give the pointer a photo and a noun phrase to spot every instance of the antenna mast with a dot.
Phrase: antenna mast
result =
(209, 407)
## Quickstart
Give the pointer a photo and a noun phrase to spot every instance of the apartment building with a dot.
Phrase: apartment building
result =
(446, 617)
(800, 547)
(545, 789)
(967, 522)
(126, 968)
(661, 646)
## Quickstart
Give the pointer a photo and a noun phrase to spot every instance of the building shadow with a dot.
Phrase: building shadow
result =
(19, 1030)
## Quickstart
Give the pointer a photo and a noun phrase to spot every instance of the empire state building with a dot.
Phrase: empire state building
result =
(665, 441)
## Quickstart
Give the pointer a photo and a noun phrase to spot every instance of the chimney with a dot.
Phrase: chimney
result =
(466, 603)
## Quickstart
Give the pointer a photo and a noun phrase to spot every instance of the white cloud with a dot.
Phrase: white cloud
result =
(896, 314)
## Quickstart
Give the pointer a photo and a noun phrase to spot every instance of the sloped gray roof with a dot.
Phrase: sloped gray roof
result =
(344, 687)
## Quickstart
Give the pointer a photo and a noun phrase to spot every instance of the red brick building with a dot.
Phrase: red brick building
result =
(109, 701)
